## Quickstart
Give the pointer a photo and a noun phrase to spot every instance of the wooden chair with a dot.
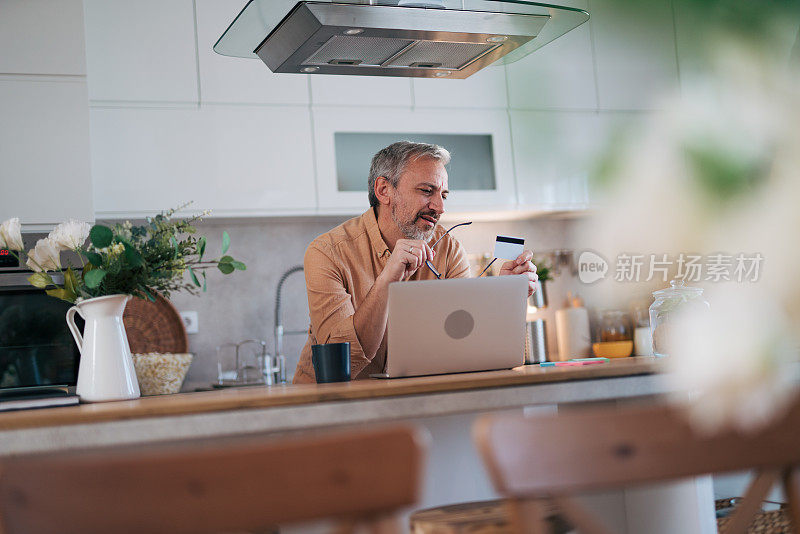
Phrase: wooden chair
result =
(535, 460)
(355, 478)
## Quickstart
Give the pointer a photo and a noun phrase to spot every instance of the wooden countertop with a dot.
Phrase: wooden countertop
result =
(292, 395)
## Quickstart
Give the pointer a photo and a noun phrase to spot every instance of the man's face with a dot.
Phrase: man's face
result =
(418, 201)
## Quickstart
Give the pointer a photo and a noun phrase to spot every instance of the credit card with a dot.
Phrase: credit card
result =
(508, 248)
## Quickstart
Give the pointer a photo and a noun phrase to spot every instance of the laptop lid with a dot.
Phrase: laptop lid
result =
(456, 325)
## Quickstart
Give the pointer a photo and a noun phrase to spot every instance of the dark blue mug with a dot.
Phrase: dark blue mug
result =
(331, 362)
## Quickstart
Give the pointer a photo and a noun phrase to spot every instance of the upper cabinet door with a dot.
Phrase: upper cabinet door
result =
(553, 153)
(141, 51)
(493, 189)
(236, 161)
(557, 153)
(635, 53)
(559, 75)
(44, 149)
(40, 37)
(238, 80)
(484, 89)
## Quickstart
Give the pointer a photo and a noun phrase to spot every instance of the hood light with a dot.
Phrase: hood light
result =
(353, 31)
(497, 39)
(442, 74)
(309, 69)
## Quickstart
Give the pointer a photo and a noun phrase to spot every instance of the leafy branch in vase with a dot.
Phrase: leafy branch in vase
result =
(121, 258)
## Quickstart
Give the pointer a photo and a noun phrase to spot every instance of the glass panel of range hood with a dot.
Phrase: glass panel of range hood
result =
(259, 18)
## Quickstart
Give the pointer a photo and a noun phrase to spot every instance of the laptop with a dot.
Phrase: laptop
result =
(456, 325)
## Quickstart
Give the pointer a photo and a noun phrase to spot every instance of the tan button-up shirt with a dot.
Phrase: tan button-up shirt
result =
(340, 268)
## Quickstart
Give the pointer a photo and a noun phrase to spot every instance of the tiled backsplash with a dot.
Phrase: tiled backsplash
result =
(242, 305)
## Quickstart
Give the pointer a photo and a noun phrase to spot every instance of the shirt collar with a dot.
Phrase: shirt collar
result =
(379, 246)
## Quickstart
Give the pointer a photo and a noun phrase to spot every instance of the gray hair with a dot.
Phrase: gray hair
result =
(392, 160)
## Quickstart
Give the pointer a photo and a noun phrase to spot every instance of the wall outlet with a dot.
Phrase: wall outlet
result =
(190, 321)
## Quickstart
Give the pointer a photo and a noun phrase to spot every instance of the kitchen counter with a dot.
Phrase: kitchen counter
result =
(294, 407)
(445, 407)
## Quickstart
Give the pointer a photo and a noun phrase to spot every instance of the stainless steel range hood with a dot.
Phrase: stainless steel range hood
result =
(383, 39)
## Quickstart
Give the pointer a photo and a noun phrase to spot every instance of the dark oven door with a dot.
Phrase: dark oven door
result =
(36, 347)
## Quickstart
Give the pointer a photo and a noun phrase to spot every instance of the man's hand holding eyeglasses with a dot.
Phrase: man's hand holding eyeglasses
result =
(408, 256)
(522, 265)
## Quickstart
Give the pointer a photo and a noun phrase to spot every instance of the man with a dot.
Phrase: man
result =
(348, 270)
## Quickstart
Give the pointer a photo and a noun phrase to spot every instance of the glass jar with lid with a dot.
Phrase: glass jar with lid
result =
(614, 326)
(668, 302)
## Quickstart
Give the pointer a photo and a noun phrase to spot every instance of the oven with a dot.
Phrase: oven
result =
(36, 347)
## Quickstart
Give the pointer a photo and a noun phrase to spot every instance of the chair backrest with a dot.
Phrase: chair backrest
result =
(225, 486)
(599, 448)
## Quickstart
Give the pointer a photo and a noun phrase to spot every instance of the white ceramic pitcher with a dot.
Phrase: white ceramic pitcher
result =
(106, 371)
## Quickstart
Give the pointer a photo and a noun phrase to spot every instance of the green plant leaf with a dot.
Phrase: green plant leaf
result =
(62, 294)
(70, 281)
(194, 277)
(204, 281)
(239, 265)
(225, 268)
(39, 280)
(201, 247)
(94, 258)
(115, 266)
(132, 256)
(93, 278)
(101, 236)
(543, 269)
(226, 241)
(226, 259)
(149, 295)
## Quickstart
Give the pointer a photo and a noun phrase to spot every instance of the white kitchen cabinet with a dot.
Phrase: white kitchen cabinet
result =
(141, 51)
(484, 89)
(40, 37)
(560, 75)
(557, 152)
(553, 154)
(44, 150)
(237, 161)
(239, 80)
(635, 53)
(344, 90)
(327, 122)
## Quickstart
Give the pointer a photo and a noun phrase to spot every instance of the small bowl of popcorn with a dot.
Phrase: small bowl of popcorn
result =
(161, 373)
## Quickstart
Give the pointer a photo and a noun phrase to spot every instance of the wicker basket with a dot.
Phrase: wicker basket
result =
(772, 522)
(154, 327)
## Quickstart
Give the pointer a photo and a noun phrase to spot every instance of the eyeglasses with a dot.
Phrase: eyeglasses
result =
(428, 263)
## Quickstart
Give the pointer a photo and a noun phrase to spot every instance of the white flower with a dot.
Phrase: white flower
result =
(115, 250)
(717, 171)
(45, 256)
(70, 235)
(732, 366)
(11, 235)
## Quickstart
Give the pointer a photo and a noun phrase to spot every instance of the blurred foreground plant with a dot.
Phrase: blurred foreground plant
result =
(717, 170)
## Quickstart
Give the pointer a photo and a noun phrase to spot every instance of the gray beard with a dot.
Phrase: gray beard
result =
(410, 230)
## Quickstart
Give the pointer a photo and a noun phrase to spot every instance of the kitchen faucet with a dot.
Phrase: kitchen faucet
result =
(279, 333)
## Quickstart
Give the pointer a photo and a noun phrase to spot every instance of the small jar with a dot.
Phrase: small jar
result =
(667, 303)
(642, 340)
(614, 326)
